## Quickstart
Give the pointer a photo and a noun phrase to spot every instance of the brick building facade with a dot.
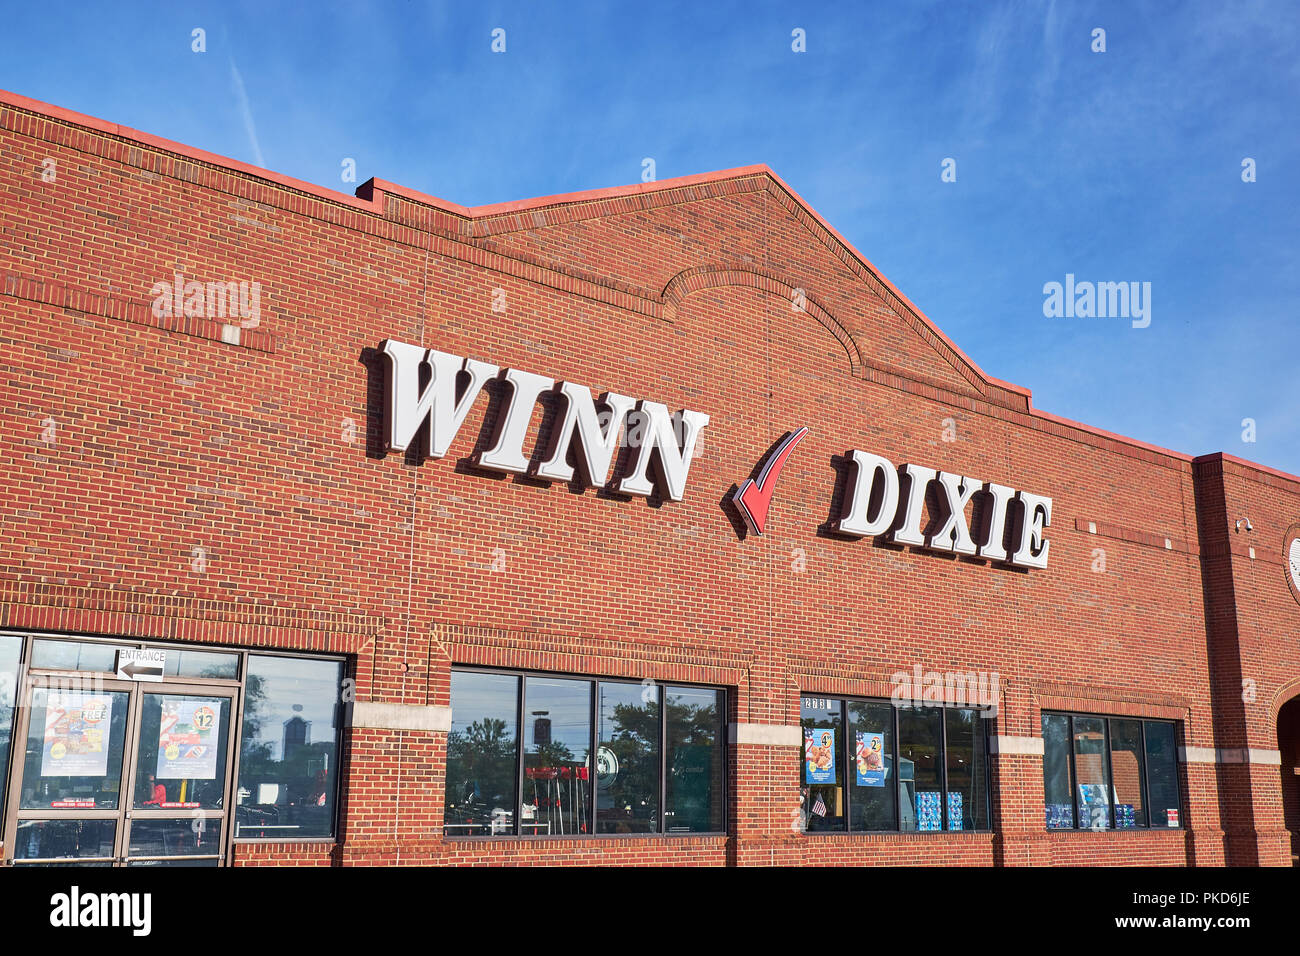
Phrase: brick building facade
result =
(217, 481)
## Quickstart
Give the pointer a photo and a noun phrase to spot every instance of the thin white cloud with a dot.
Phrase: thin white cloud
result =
(250, 127)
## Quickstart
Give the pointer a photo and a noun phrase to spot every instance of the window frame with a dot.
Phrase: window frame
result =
(845, 752)
(1108, 763)
(594, 740)
(27, 671)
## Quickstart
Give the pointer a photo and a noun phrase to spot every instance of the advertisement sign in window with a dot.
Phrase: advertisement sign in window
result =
(76, 734)
(871, 759)
(819, 755)
(187, 738)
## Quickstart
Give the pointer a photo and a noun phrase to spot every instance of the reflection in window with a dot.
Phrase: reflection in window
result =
(288, 764)
(10, 647)
(1162, 774)
(482, 755)
(557, 759)
(1058, 798)
(1124, 770)
(920, 769)
(696, 724)
(652, 761)
(75, 742)
(64, 839)
(1126, 773)
(627, 759)
(74, 656)
(873, 789)
(1090, 771)
(182, 752)
(967, 800)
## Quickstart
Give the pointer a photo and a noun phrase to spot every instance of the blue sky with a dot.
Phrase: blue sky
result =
(1115, 166)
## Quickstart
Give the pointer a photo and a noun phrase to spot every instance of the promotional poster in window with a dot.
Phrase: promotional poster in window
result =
(819, 755)
(871, 760)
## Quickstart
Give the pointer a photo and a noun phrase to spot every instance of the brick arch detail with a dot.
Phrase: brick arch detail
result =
(1287, 693)
(700, 278)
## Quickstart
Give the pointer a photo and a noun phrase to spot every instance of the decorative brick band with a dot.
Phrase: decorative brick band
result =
(430, 718)
(765, 735)
(136, 311)
(37, 606)
(1105, 530)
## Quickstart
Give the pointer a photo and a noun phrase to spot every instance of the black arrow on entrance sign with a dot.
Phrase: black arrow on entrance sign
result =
(132, 669)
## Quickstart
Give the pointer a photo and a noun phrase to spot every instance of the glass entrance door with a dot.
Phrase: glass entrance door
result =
(117, 773)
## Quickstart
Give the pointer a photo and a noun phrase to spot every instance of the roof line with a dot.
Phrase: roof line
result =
(377, 187)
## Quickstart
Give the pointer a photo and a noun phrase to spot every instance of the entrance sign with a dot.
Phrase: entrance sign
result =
(874, 505)
(76, 734)
(141, 665)
(187, 738)
(410, 407)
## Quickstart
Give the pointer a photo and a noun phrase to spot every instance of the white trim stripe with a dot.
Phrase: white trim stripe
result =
(431, 718)
(1231, 755)
(768, 735)
(1026, 746)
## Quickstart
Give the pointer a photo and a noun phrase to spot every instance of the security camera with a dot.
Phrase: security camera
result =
(1246, 522)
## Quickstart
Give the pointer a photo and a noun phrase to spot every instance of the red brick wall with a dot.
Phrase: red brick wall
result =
(265, 456)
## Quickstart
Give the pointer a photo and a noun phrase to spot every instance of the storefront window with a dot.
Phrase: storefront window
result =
(288, 764)
(1162, 774)
(693, 787)
(967, 767)
(907, 768)
(74, 656)
(182, 752)
(1125, 773)
(627, 759)
(1058, 796)
(75, 744)
(920, 768)
(651, 762)
(557, 759)
(873, 790)
(822, 774)
(64, 839)
(482, 755)
(10, 649)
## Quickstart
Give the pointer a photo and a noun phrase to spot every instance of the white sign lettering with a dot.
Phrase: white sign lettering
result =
(410, 408)
(900, 516)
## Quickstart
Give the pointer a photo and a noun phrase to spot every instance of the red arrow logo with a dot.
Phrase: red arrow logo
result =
(753, 499)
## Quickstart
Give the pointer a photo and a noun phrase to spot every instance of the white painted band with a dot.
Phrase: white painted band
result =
(770, 735)
(1029, 746)
(1233, 755)
(381, 716)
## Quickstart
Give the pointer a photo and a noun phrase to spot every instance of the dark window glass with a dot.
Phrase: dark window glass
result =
(182, 752)
(627, 759)
(1090, 772)
(920, 768)
(288, 763)
(74, 656)
(967, 770)
(64, 839)
(1126, 773)
(696, 724)
(482, 755)
(75, 742)
(873, 789)
(1056, 772)
(182, 837)
(1162, 774)
(10, 647)
(557, 757)
(822, 770)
